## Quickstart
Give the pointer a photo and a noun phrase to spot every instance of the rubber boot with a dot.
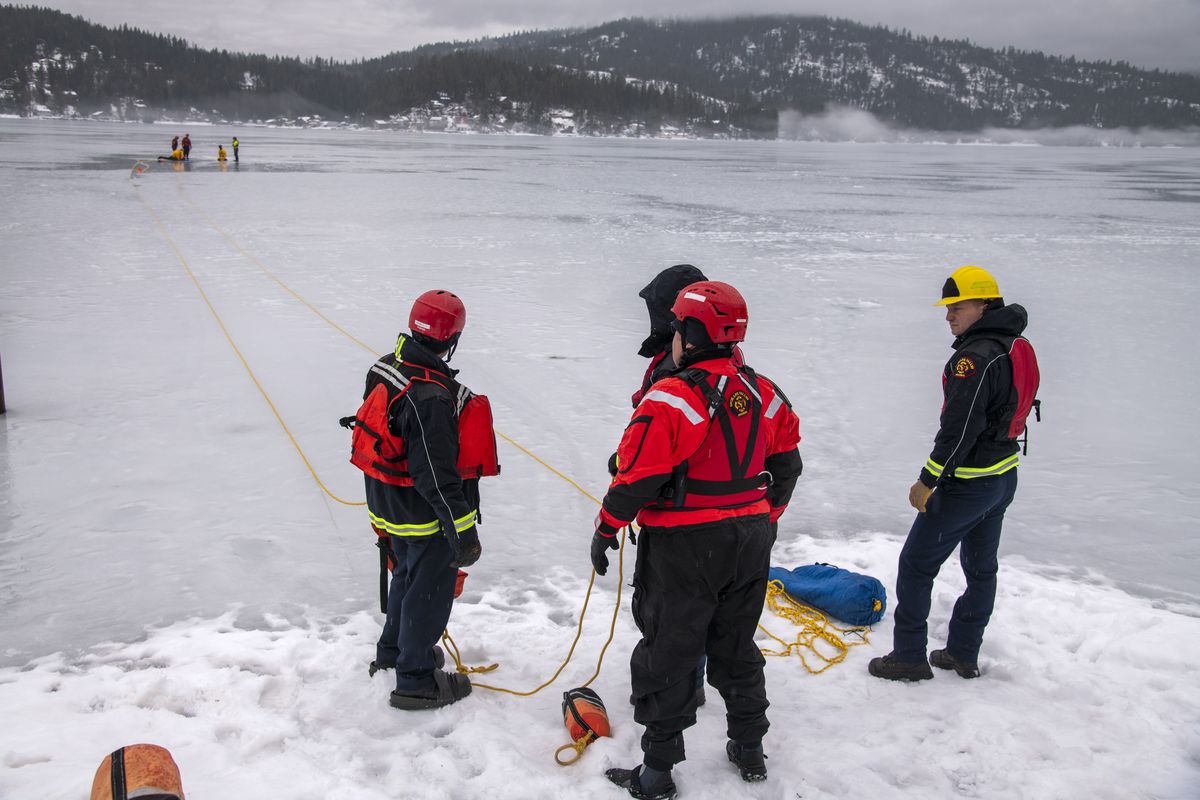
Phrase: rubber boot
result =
(631, 780)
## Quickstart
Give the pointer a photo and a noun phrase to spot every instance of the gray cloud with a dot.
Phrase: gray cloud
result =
(1150, 33)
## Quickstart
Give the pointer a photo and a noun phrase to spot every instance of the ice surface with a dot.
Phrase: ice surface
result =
(145, 483)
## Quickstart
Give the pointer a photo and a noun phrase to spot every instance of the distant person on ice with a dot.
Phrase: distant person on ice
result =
(187, 146)
(707, 462)
(988, 386)
(411, 435)
(176, 155)
(236, 144)
(221, 153)
(174, 143)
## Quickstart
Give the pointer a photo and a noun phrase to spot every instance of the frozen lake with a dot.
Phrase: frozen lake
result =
(134, 432)
(143, 479)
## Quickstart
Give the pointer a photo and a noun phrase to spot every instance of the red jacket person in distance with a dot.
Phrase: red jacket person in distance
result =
(706, 466)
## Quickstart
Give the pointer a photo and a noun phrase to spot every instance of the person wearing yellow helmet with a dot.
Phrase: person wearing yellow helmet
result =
(989, 386)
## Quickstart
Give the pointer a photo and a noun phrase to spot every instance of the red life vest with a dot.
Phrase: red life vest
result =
(379, 453)
(728, 470)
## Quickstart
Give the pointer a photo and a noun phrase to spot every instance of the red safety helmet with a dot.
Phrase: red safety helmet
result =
(438, 314)
(719, 307)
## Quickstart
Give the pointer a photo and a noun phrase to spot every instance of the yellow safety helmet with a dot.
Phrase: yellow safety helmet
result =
(969, 283)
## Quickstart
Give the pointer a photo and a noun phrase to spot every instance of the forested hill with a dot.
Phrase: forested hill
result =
(633, 76)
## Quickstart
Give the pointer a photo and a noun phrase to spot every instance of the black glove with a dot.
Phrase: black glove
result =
(612, 465)
(600, 543)
(465, 545)
(347, 422)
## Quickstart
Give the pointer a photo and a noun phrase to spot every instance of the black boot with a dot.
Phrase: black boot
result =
(448, 687)
(439, 661)
(943, 660)
(750, 761)
(631, 779)
(890, 669)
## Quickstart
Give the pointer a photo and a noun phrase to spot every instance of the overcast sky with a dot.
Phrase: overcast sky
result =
(1149, 33)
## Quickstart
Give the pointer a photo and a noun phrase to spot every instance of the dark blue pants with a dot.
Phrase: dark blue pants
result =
(966, 512)
(419, 602)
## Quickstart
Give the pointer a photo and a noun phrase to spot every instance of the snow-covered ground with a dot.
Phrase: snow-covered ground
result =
(170, 571)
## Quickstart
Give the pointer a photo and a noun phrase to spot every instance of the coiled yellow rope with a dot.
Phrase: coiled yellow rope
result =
(815, 628)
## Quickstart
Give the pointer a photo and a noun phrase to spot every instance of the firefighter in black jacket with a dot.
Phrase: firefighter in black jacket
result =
(406, 440)
(989, 386)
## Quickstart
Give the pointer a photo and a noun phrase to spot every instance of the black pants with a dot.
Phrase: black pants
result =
(699, 589)
(970, 512)
(419, 603)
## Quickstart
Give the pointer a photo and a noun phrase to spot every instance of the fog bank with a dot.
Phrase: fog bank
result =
(846, 124)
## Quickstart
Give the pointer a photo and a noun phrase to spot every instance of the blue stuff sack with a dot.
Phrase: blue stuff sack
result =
(848, 596)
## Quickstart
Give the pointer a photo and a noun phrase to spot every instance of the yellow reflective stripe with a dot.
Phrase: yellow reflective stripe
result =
(423, 529)
(400, 345)
(935, 469)
(999, 468)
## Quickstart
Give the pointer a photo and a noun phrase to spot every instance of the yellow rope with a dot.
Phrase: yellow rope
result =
(814, 628)
(578, 634)
(579, 745)
(229, 338)
(451, 646)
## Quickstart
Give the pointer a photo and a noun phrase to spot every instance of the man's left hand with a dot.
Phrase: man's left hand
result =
(600, 543)
(918, 496)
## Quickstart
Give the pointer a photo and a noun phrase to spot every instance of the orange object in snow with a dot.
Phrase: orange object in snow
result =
(458, 583)
(144, 771)
(586, 720)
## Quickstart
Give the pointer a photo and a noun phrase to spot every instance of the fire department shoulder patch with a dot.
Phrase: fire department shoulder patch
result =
(964, 367)
(739, 403)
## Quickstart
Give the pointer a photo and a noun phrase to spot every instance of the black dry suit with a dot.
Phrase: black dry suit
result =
(985, 386)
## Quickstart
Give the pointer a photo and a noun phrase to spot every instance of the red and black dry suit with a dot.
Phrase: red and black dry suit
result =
(425, 418)
(989, 385)
(707, 463)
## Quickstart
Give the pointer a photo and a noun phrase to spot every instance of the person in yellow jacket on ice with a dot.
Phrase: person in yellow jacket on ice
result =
(221, 153)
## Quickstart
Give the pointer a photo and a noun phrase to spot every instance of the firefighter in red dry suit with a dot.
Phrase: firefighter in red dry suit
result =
(707, 464)
(660, 294)
(989, 386)
(423, 440)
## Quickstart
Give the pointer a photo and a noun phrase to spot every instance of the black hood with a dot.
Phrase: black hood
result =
(660, 295)
(998, 319)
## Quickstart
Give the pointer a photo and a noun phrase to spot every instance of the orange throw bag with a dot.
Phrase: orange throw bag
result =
(146, 771)
(586, 720)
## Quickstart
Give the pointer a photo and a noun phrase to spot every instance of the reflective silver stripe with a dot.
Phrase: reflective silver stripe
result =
(390, 375)
(416, 529)
(752, 389)
(776, 404)
(462, 523)
(935, 469)
(659, 396)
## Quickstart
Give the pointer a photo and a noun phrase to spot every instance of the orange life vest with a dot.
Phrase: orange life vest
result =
(379, 453)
